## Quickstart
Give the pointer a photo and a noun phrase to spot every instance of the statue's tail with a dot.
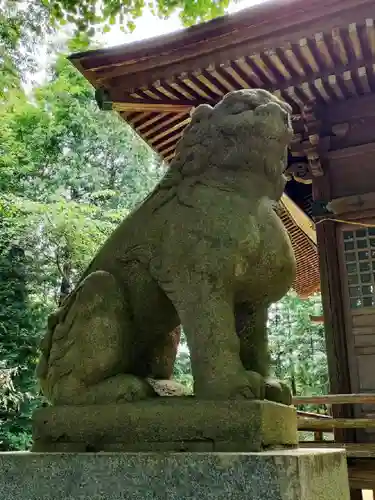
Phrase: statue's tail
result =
(46, 344)
(45, 349)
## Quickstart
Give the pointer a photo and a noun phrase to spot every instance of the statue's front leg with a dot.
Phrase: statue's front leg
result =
(206, 313)
(251, 327)
(165, 354)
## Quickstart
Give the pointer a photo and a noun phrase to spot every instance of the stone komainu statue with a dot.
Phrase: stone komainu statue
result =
(205, 250)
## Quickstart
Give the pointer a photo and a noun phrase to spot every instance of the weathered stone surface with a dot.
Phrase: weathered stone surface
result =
(166, 424)
(278, 475)
(205, 249)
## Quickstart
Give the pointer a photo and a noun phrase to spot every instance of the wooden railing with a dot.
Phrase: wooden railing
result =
(361, 463)
(316, 422)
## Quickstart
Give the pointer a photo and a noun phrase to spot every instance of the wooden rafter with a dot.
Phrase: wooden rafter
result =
(122, 101)
(317, 319)
(300, 218)
(152, 107)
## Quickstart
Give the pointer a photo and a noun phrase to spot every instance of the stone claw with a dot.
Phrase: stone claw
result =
(246, 385)
(277, 391)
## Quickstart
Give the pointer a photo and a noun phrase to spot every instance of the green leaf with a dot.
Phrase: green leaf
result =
(69, 173)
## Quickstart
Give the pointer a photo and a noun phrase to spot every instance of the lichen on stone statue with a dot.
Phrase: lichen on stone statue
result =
(205, 250)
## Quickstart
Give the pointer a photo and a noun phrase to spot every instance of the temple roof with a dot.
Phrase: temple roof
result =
(303, 51)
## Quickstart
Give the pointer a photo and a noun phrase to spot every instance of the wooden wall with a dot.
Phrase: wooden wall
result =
(347, 251)
(357, 265)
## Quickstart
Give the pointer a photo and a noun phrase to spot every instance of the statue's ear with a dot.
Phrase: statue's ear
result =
(199, 116)
(201, 113)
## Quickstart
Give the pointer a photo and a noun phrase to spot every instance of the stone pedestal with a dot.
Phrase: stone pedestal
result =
(299, 474)
(166, 424)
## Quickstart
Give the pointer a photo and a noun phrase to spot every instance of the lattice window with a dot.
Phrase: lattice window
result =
(359, 251)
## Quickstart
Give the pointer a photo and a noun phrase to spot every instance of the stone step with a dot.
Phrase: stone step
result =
(274, 475)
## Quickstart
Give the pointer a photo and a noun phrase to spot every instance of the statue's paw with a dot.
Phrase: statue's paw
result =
(168, 387)
(121, 388)
(131, 388)
(278, 391)
(246, 385)
(257, 384)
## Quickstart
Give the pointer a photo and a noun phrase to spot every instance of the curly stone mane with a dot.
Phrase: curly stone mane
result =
(241, 132)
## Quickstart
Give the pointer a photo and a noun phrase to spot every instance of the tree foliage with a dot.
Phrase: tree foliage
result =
(298, 346)
(182, 369)
(23, 23)
(68, 174)
(86, 14)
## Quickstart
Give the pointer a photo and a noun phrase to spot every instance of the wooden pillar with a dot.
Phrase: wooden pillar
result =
(333, 309)
(356, 495)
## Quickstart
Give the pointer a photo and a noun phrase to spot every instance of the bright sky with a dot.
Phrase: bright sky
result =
(148, 26)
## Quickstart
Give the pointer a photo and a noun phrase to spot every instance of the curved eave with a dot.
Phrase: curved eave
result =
(257, 29)
(303, 237)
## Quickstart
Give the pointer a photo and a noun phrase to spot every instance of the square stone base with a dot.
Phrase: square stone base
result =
(166, 424)
(277, 475)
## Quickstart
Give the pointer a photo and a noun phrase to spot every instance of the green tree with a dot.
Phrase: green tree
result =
(20, 322)
(68, 174)
(84, 14)
(182, 369)
(23, 25)
(298, 347)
